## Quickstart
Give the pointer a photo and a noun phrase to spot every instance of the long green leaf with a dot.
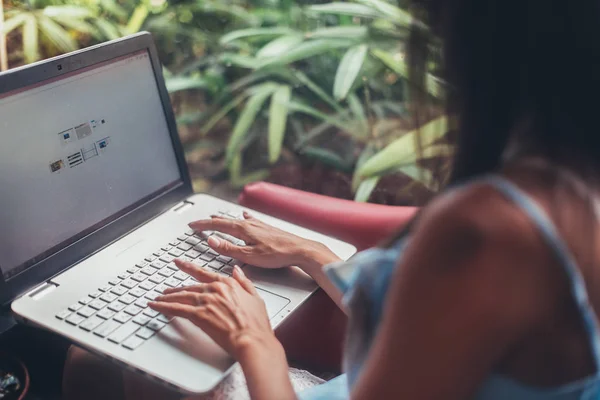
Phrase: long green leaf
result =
(348, 70)
(56, 34)
(305, 50)
(419, 174)
(359, 112)
(109, 30)
(279, 46)
(251, 32)
(30, 39)
(219, 115)
(343, 32)
(352, 9)
(397, 64)
(78, 25)
(15, 22)
(138, 18)
(277, 120)
(328, 158)
(365, 189)
(241, 181)
(66, 11)
(178, 83)
(316, 89)
(403, 151)
(341, 124)
(238, 60)
(113, 8)
(245, 121)
(399, 16)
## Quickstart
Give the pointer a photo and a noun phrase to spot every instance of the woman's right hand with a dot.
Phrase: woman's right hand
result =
(265, 246)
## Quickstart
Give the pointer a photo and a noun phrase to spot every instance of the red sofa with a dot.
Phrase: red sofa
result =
(313, 336)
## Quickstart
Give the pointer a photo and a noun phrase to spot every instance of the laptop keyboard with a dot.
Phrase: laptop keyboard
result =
(119, 312)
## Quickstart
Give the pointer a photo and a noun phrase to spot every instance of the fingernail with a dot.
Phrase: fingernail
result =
(214, 242)
(239, 270)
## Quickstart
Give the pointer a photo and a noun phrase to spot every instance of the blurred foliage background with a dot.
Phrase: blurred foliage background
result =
(305, 93)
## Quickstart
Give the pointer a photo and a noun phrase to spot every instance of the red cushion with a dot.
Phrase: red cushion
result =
(361, 224)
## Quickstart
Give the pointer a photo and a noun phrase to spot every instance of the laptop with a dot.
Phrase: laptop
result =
(94, 207)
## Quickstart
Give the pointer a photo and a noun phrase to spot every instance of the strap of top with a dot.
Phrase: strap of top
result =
(553, 239)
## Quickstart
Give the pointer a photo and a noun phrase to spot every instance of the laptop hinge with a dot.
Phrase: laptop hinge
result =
(183, 206)
(42, 290)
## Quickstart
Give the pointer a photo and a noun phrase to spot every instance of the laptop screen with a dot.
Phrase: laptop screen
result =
(77, 152)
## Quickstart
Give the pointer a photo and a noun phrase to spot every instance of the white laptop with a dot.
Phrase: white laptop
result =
(94, 205)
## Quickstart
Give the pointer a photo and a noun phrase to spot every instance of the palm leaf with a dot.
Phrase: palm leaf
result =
(178, 83)
(68, 12)
(137, 18)
(398, 15)
(343, 32)
(277, 120)
(363, 193)
(30, 39)
(359, 111)
(14, 22)
(109, 30)
(351, 9)
(251, 32)
(219, 115)
(305, 50)
(238, 60)
(246, 119)
(279, 46)
(335, 121)
(402, 151)
(348, 70)
(56, 34)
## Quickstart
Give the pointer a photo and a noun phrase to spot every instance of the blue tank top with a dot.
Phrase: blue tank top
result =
(365, 280)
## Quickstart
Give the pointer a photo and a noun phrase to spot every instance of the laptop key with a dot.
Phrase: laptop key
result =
(142, 264)
(127, 299)
(106, 314)
(172, 282)
(174, 243)
(147, 285)
(228, 269)
(148, 271)
(132, 270)
(182, 276)
(122, 317)
(207, 257)
(75, 307)
(75, 319)
(123, 332)
(107, 328)
(155, 325)
(116, 306)
(86, 312)
(192, 254)
(183, 237)
(137, 292)
(119, 290)
(164, 318)
(132, 310)
(158, 253)
(94, 295)
(129, 283)
(105, 288)
(166, 248)
(108, 297)
(189, 282)
(97, 304)
(139, 277)
(85, 300)
(216, 265)
(145, 333)
(151, 313)
(176, 252)
(142, 303)
(201, 248)
(167, 258)
(151, 295)
(124, 275)
(186, 258)
(184, 246)
(142, 319)
(172, 266)
(192, 240)
(156, 279)
(161, 288)
(91, 324)
(132, 342)
(158, 264)
(150, 258)
(63, 314)
(189, 232)
(166, 272)
(224, 259)
(114, 282)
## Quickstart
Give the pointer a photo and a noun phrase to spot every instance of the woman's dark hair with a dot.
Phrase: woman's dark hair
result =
(521, 72)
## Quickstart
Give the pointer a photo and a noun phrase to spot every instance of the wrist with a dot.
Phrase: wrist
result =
(259, 350)
(313, 256)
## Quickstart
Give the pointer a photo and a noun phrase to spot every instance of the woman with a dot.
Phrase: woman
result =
(492, 292)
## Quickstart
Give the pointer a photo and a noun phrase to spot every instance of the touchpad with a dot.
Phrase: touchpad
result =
(273, 302)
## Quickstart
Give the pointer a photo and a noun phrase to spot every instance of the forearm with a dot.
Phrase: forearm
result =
(314, 258)
(266, 372)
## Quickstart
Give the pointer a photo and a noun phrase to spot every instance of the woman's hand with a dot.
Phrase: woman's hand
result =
(265, 246)
(229, 310)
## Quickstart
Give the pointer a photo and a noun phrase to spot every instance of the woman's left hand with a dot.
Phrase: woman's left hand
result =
(228, 309)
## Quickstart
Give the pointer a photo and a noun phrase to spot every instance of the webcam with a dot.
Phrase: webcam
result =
(59, 67)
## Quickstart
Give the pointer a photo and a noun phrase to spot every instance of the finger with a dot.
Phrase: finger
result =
(201, 274)
(189, 298)
(247, 215)
(199, 288)
(227, 248)
(173, 309)
(229, 226)
(244, 282)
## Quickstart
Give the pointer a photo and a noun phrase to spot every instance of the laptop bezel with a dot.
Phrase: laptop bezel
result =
(74, 253)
